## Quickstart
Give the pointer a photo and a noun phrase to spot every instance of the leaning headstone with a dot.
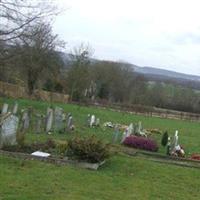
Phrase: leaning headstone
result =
(70, 125)
(58, 119)
(8, 129)
(4, 108)
(15, 108)
(116, 134)
(92, 121)
(49, 121)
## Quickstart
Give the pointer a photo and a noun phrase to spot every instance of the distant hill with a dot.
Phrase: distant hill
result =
(149, 71)
(154, 74)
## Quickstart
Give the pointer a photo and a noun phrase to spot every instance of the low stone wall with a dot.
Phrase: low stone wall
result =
(16, 91)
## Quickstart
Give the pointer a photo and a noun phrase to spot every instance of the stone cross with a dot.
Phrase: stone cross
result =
(8, 129)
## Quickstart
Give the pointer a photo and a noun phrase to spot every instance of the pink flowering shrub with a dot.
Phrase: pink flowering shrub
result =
(141, 143)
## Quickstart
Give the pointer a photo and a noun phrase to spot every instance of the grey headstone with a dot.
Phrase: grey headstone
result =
(15, 108)
(58, 119)
(25, 120)
(49, 121)
(8, 130)
(38, 125)
(4, 108)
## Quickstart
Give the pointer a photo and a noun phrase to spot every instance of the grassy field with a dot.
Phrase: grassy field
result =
(122, 177)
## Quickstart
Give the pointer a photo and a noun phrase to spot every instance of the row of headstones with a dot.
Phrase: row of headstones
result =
(10, 122)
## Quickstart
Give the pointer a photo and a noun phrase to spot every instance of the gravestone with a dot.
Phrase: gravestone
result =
(8, 129)
(38, 125)
(58, 119)
(130, 130)
(175, 141)
(49, 121)
(4, 108)
(70, 125)
(97, 123)
(92, 121)
(15, 108)
(25, 120)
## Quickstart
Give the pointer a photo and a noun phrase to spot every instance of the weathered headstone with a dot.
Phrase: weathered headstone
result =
(38, 125)
(4, 108)
(49, 121)
(15, 108)
(8, 129)
(58, 119)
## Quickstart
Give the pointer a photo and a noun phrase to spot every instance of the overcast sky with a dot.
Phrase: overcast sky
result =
(159, 33)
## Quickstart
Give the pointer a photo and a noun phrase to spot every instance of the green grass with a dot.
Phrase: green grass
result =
(122, 177)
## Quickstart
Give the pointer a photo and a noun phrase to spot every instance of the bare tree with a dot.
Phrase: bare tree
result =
(17, 15)
(78, 74)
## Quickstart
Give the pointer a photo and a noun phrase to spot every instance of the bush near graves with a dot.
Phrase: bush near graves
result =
(164, 139)
(61, 148)
(89, 149)
(141, 143)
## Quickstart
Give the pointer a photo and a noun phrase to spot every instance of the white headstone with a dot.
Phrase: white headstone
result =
(92, 121)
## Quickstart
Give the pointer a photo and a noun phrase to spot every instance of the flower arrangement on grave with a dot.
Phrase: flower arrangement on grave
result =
(195, 156)
(141, 143)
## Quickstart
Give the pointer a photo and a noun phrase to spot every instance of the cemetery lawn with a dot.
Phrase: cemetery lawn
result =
(122, 177)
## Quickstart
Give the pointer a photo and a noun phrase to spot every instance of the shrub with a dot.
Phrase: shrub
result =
(61, 148)
(88, 149)
(164, 139)
(141, 143)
